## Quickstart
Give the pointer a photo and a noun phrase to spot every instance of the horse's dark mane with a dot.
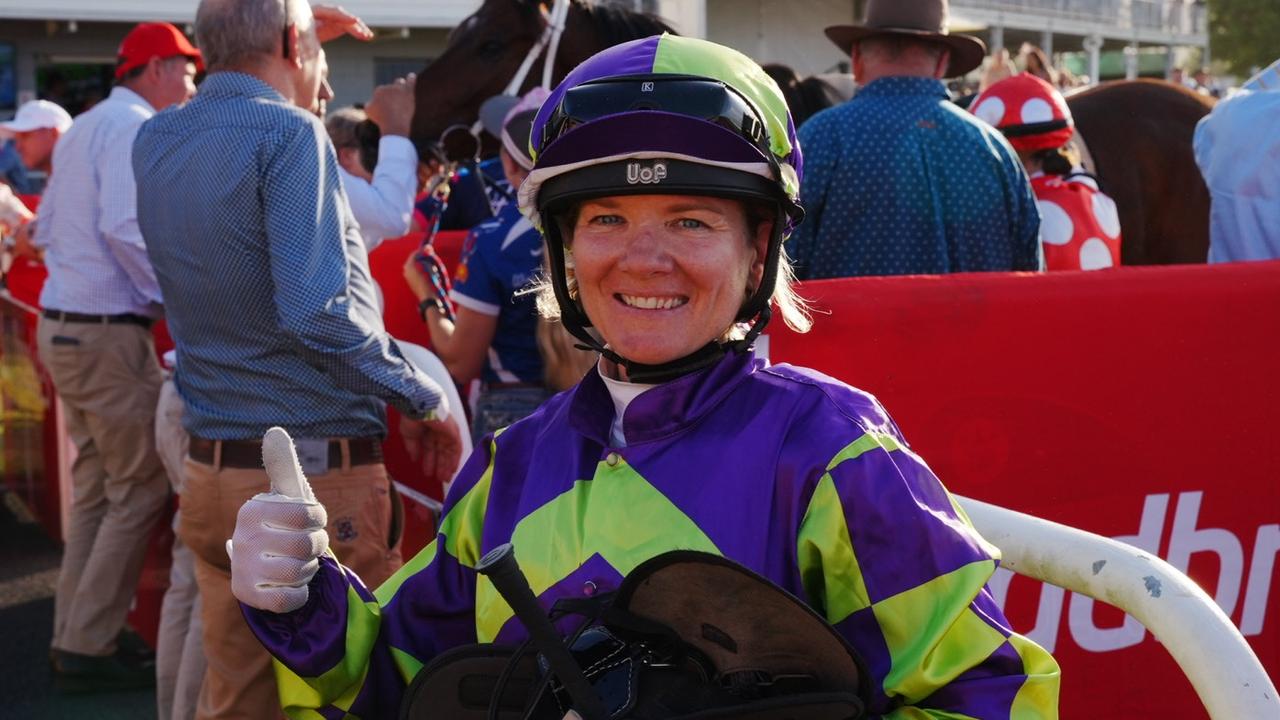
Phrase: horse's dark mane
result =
(615, 24)
(804, 97)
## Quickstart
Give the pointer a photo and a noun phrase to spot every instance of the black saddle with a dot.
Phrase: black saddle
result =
(687, 636)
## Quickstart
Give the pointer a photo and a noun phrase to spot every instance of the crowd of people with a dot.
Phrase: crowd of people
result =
(618, 267)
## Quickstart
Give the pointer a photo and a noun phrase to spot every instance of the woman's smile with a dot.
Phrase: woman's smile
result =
(652, 302)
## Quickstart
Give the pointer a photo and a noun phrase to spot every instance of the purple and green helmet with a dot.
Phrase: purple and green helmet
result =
(665, 115)
(664, 97)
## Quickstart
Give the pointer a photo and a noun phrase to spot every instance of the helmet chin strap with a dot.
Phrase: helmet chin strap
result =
(704, 357)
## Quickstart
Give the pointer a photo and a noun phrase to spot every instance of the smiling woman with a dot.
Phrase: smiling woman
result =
(665, 182)
(663, 275)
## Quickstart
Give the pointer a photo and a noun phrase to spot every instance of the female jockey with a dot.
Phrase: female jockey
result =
(1079, 225)
(666, 178)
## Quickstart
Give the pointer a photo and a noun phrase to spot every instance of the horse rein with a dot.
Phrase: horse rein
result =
(549, 41)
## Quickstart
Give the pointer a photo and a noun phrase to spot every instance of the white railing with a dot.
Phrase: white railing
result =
(1212, 653)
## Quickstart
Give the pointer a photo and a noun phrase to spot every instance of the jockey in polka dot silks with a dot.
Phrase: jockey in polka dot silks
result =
(1079, 224)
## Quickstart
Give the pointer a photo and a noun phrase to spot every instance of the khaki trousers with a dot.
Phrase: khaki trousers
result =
(239, 682)
(108, 379)
(180, 662)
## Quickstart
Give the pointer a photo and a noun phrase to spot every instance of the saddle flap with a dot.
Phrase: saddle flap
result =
(459, 683)
(739, 620)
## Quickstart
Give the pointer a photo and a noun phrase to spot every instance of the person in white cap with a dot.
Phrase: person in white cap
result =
(35, 130)
(1237, 146)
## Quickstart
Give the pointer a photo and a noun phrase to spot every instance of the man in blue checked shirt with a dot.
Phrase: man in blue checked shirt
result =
(901, 181)
(269, 297)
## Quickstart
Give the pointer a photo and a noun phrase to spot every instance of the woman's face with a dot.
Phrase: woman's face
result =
(662, 275)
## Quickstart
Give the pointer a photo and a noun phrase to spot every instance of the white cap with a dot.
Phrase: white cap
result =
(35, 115)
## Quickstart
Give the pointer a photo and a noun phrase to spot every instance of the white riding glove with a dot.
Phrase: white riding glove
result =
(279, 535)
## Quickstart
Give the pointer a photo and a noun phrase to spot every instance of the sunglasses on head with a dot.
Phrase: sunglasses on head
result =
(693, 96)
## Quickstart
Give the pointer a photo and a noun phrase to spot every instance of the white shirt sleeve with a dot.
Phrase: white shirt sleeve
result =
(1237, 148)
(384, 208)
(118, 206)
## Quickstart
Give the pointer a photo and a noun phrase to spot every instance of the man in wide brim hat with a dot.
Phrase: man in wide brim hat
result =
(924, 20)
(898, 180)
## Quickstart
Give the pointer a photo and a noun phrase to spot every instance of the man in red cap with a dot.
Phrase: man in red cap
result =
(99, 302)
(154, 41)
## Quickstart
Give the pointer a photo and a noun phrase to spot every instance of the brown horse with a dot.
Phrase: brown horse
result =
(1139, 134)
(805, 96)
(486, 49)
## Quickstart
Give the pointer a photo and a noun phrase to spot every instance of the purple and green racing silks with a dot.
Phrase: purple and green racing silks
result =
(793, 474)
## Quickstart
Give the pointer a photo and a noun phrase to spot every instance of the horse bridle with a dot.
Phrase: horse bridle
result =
(549, 41)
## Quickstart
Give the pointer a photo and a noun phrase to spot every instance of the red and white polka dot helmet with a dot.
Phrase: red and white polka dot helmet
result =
(1030, 112)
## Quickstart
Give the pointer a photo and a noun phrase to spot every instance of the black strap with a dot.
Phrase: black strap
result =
(1038, 128)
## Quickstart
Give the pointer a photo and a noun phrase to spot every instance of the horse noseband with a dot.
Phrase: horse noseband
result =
(460, 142)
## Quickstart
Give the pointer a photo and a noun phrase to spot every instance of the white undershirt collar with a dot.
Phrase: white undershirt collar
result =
(622, 393)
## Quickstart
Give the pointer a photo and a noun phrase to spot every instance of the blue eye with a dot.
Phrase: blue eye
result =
(606, 220)
(690, 224)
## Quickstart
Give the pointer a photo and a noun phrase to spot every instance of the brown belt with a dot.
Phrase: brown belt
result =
(122, 319)
(248, 453)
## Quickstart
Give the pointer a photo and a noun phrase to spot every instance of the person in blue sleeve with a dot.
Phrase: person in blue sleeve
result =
(493, 336)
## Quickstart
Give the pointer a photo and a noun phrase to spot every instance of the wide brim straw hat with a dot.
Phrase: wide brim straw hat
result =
(922, 19)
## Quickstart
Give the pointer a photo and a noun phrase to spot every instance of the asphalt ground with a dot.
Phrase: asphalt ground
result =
(28, 574)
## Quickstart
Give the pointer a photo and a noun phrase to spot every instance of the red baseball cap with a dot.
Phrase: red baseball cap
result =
(154, 40)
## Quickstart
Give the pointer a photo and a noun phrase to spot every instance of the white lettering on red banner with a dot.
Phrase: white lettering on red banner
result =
(1185, 540)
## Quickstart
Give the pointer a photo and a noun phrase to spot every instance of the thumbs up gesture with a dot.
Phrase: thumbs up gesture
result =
(279, 535)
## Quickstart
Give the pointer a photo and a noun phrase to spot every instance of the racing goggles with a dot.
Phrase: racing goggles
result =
(688, 95)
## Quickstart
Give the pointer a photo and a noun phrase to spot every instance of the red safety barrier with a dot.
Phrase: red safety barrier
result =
(1137, 403)
(31, 436)
(400, 315)
(36, 450)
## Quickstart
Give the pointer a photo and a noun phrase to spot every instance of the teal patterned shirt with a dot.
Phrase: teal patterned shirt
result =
(901, 181)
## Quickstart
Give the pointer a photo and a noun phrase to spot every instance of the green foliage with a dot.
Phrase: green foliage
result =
(1243, 33)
